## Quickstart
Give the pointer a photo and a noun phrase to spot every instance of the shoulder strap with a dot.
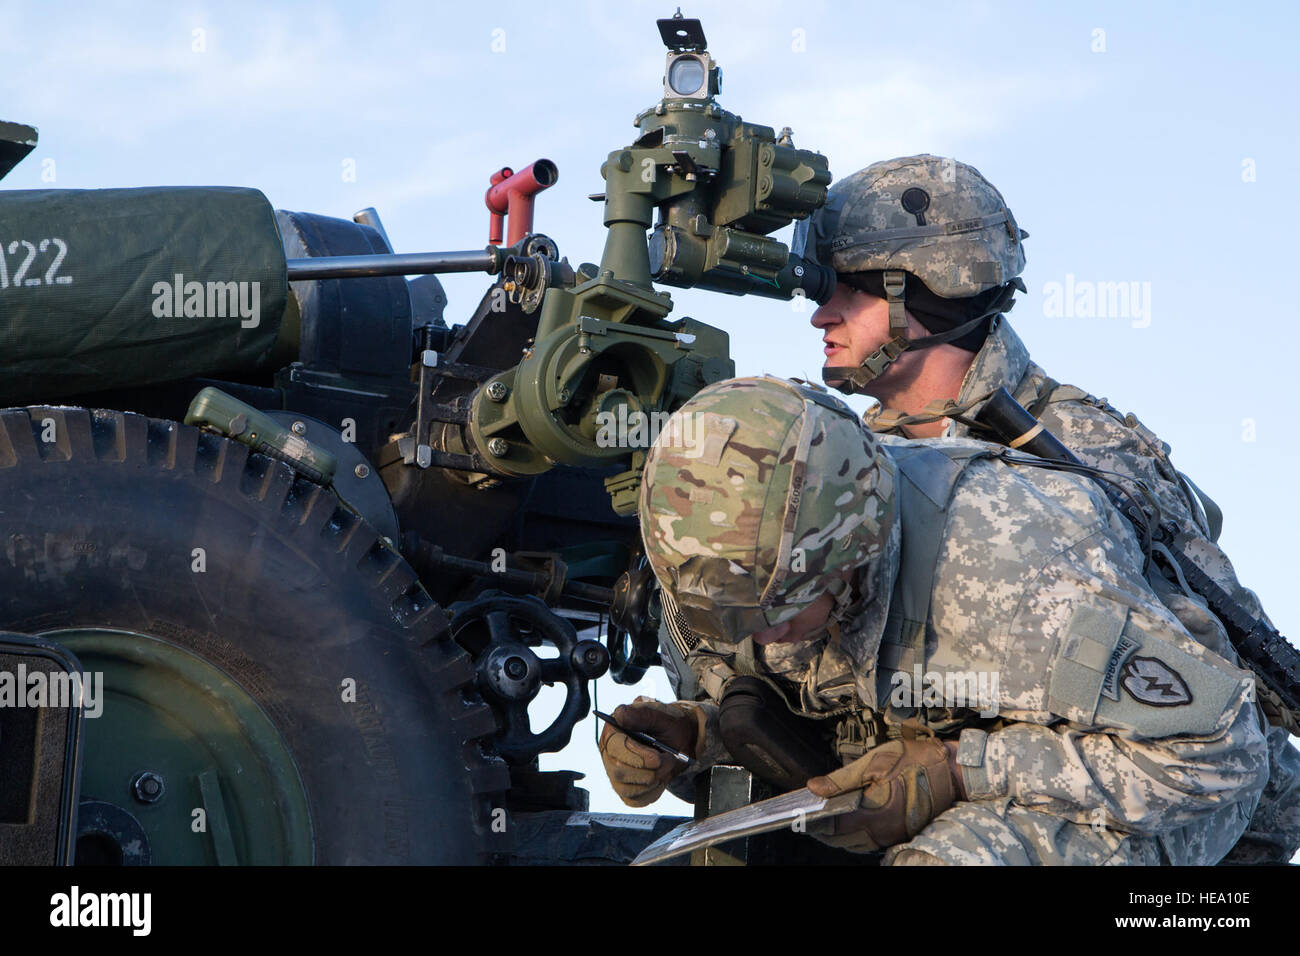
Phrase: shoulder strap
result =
(1213, 513)
(928, 476)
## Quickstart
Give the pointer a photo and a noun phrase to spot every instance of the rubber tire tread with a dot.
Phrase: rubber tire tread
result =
(98, 528)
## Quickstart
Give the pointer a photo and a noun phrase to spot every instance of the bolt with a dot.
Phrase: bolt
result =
(798, 271)
(516, 668)
(298, 428)
(362, 470)
(498, 447)
(147, 787)
(565, 395)
(497, 391)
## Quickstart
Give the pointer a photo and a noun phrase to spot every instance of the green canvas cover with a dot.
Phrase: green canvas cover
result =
(104, 288)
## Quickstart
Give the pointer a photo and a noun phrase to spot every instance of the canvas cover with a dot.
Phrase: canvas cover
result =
(104, 288)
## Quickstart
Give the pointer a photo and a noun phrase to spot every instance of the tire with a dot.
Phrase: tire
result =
(290, 597)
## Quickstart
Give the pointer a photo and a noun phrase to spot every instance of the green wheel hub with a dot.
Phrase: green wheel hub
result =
(230, 790)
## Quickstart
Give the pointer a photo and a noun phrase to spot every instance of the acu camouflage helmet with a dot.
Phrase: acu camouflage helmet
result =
(924, 216)
(756, 497)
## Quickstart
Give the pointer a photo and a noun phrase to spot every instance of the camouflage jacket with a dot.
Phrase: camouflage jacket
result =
(1103, 437)
(1106, 707)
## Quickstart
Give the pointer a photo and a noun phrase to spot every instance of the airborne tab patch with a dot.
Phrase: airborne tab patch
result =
(1110, 680)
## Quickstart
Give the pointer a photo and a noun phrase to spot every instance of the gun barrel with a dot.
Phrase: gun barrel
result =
(395, 264)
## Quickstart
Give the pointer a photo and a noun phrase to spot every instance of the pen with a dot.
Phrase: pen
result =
(644, 738)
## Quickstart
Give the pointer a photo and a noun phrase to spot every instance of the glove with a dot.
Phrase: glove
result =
(905, 784)
(1278, 714)
(638, 772)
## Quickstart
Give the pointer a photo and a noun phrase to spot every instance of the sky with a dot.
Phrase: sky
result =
(1148, 144)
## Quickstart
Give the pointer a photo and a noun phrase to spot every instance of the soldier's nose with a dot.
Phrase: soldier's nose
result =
(824, 318)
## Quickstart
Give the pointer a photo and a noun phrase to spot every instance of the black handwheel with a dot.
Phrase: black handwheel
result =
(278, 687)
(634, 616)
(501, 630)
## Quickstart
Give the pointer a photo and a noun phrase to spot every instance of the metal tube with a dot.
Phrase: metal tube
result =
(533, 580)
(512, 193)
(394, 264)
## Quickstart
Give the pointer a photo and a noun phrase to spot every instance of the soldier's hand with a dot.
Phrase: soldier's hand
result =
(638, 772)
(905, 784)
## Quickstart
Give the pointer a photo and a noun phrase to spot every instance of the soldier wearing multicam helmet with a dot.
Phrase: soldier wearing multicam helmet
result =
(794, 546)
(928, 257)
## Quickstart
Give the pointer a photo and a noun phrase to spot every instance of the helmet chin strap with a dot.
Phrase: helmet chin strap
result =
(854, 380)
(850, 380)
(841, 592)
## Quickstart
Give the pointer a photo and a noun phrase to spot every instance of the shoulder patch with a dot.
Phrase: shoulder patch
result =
(1154, 682)
(1168, 692)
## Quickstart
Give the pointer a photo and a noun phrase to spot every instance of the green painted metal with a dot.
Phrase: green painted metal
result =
(604, 346)
(213, 408)
(169, 712)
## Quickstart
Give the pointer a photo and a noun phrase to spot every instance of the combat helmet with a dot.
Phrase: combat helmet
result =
(928, 218)
(758, 494)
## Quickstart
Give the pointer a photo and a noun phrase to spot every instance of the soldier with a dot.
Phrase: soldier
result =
(797, 549)
(928, 257)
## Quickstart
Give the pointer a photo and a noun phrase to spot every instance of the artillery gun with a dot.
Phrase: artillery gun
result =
(310, 550)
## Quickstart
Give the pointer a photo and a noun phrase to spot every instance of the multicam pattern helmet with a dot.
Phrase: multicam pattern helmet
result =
(930, 216)
(756, 497)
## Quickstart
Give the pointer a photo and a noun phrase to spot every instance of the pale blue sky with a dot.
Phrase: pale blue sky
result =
(1125, 165)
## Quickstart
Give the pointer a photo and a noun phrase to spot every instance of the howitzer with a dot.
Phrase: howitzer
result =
(1270, 655)
(247, 459)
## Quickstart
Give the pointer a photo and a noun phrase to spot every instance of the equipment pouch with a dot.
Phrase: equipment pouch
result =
(761, 733)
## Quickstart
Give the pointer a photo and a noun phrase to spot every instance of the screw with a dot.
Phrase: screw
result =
(497, 391)
(298, 428)
(515, 668)
(565, 395)
(498, 447)
(362, 470)
(798, 271)
(147, 787)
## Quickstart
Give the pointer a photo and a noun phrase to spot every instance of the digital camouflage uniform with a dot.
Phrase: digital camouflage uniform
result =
(1103, 437)
(1038, 580)
(966, 243)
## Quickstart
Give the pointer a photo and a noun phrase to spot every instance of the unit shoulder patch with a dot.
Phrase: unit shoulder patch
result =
(1152, 681)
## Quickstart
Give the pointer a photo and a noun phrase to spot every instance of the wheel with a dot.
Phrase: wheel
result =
(500, 630)
(277, 686)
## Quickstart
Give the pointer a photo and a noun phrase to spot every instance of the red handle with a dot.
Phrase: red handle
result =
(511, 195)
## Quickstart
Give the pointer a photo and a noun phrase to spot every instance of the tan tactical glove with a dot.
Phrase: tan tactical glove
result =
(1278, 714)
(638, 772)
(905, 784)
